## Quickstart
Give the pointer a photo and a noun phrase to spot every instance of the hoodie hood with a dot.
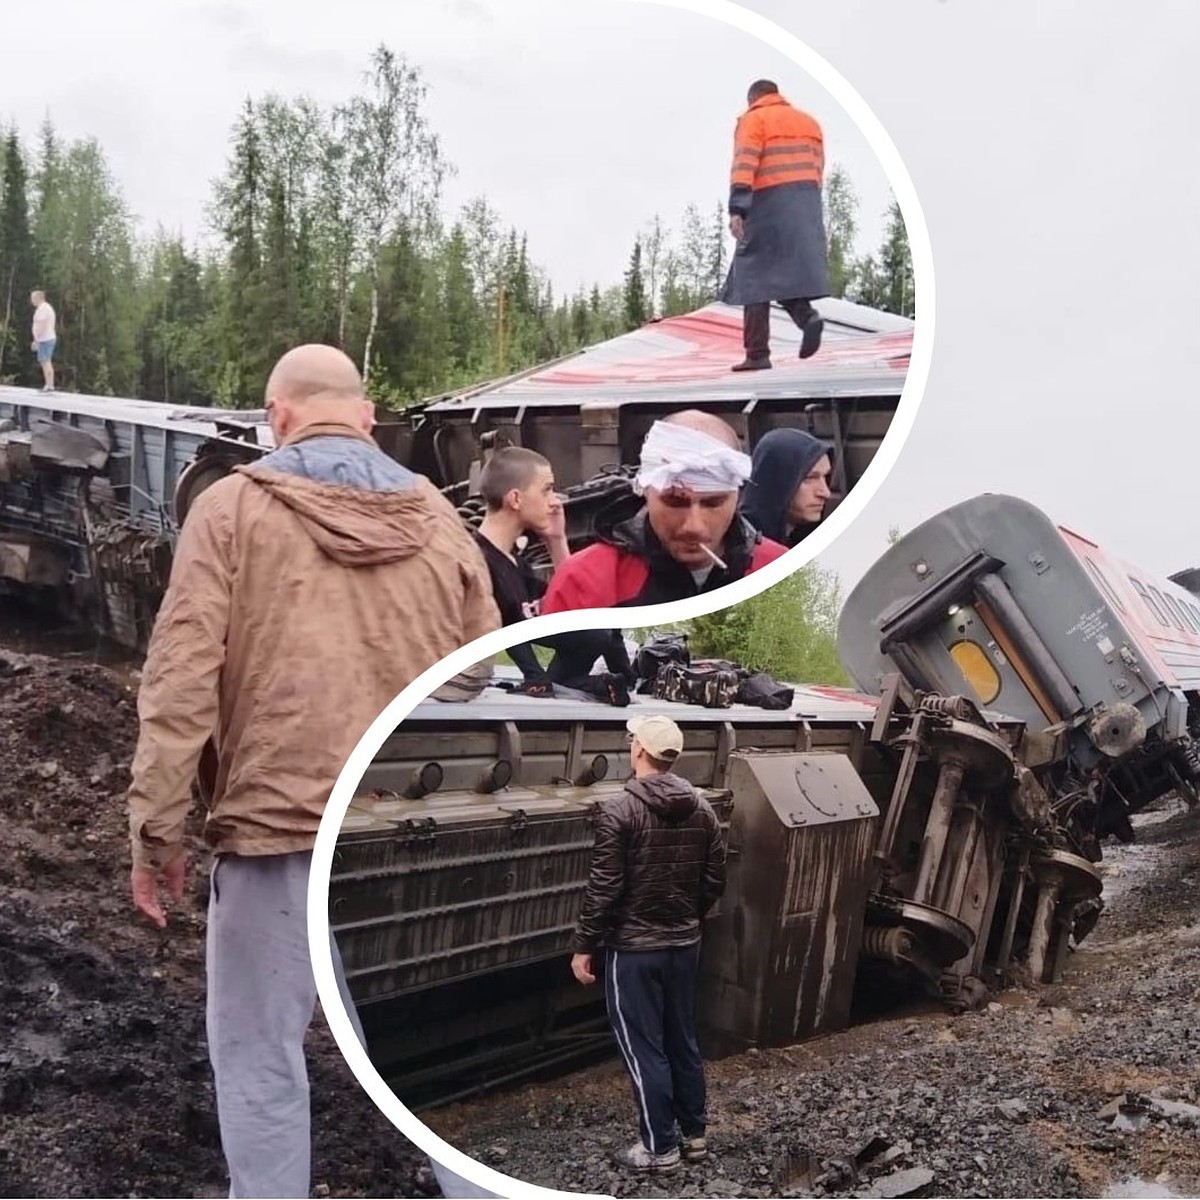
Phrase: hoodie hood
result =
(362, 508)
(781, 460)
(668, 796)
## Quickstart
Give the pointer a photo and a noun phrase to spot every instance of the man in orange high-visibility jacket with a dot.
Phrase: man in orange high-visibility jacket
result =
(775, 216)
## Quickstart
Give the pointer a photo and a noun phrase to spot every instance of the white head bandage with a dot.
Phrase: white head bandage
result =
(674, 456)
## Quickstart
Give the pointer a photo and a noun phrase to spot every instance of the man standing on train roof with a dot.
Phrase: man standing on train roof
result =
(657, 868)
(688, 537)
(306, 591)
(789, 485)
(45, 337)
(517, 486)
(775, 217)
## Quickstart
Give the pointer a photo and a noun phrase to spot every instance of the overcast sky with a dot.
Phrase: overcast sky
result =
(578, 121)
(1052, 143)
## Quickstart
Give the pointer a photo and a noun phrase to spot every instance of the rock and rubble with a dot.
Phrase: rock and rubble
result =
(105, 1088)
(1091, 1087)
(1017, 1099)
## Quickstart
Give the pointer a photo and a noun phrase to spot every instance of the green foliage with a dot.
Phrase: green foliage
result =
(635, 290)
(328, 227)
(884, 280)
(17, 263)
(841, 229)
(790, 630)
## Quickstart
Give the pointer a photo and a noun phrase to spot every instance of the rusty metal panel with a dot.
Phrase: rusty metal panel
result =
(779, 957)
(425, 893)
(810, 789)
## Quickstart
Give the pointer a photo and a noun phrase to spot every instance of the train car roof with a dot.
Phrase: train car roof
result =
(495, 704)
(202, 422)
(686, 359)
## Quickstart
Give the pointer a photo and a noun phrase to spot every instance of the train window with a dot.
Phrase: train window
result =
(1102, 582)
(1150, 603)
(1182, 617)
(977, 670)
(1168, 604)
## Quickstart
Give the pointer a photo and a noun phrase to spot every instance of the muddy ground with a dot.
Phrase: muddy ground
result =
(105, 1088)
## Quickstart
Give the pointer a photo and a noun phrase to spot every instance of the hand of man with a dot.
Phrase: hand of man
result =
(555, 528)
(737, 226)
(145, 880)
(554, 532)
(33, 344)
(581, 965)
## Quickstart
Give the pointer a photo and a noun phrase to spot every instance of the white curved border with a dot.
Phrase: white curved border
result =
(364, 753)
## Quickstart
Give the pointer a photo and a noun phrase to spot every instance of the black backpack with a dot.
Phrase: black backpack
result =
(762, 691)
(660, 651)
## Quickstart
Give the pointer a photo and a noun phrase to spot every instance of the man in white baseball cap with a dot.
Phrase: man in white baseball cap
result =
(658, 866)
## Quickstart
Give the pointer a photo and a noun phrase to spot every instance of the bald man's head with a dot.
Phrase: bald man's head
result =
(702, 422)
(315, 370)
(314, 385)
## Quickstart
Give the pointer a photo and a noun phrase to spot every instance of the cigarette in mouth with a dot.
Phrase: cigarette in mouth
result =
(713, 557)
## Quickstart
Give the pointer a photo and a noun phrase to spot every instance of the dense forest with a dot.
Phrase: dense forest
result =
(327, 224)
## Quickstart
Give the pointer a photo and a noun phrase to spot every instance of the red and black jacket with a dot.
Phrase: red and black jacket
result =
(629, 566)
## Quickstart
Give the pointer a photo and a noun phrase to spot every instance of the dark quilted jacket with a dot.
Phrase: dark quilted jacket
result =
(658, 866)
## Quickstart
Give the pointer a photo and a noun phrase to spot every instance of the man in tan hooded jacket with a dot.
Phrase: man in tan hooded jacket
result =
(307, 591)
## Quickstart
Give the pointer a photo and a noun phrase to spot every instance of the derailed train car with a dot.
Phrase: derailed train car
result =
(93, 489)
(1023, 693)
(589, 413)
(1097, 666)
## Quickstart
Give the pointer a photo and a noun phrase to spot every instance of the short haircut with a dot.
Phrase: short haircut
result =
(662, 765)
(762, 87)
(508, 468)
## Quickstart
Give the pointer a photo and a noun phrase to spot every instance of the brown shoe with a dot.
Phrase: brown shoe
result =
(752, 364)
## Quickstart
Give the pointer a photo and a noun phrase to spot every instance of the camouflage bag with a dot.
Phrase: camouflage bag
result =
(711, 684)
(658, 652)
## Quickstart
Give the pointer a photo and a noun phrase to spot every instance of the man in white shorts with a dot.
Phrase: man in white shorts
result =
(45, 336)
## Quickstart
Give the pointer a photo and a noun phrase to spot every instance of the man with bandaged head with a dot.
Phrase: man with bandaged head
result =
(688, 537)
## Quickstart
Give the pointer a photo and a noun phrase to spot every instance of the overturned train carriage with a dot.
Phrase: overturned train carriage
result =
(461, 865)
(93, 488)
(1097, 666)
(938, 837)
(589, 413)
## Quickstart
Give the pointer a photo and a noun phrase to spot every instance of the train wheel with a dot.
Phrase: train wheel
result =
(200, 474)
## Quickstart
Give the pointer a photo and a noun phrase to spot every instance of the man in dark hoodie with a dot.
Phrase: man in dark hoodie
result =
(658, 866)
(789, 485)
(689, 537)
(306, 591)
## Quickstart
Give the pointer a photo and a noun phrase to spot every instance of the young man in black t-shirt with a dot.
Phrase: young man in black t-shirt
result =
(517, 486)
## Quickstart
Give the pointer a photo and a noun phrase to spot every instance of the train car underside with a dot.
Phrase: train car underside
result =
(914, 849)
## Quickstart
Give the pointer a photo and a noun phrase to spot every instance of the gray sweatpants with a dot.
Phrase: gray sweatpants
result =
(261, 1000)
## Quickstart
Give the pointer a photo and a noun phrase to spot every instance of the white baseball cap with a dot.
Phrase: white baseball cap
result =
(659, 736)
